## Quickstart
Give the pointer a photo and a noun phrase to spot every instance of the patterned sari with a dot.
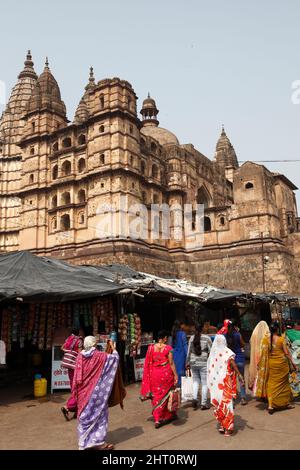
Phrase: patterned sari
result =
(158, 381)
(221, 382)
(93, 381)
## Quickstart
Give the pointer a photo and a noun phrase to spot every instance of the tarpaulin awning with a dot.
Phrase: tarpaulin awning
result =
(150, 283)
(35, 278)
(279, 297)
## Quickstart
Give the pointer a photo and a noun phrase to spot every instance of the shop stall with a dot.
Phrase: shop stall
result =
(39, 297)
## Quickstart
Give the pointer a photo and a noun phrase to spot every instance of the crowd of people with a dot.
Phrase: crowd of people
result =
(214, 357)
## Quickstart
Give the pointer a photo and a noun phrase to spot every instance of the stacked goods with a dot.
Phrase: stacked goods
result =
(130, 332)
(147, 338)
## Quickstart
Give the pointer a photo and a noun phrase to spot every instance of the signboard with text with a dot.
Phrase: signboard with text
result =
(138, 368)
(59, 376)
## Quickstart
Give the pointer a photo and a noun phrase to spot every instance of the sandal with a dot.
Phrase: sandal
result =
(106, 446)
(158, 424)
(270, 411)
(228, 433)
(65, 412)
(221, 429)
(289, 407)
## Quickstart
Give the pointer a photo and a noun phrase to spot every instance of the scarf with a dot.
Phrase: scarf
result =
(224, 329)
(217, 367)
(257, 336)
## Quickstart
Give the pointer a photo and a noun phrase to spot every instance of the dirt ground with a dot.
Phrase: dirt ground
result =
(27, 423)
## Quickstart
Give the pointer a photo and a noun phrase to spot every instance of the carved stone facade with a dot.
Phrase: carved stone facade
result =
(59, 179)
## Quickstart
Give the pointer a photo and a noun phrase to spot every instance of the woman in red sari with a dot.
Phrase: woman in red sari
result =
(159, 378)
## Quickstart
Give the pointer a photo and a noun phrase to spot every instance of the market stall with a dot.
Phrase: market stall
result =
(38, 297)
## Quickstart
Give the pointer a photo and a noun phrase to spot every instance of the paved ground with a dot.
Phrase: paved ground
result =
(26, 423)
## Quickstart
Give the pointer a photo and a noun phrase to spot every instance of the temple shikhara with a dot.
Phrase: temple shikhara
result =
(55, 174)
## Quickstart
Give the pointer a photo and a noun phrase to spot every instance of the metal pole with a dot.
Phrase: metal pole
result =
(263, 262)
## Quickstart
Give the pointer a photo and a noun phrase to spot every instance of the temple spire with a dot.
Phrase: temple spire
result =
(225, 154)
(91, 83)
(28, 70)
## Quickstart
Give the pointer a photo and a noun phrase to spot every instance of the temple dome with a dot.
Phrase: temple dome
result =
(163, 136)
(150, 123)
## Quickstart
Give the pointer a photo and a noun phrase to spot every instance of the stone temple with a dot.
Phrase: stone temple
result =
(55, 174)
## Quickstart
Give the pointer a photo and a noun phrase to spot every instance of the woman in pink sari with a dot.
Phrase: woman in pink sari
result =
(159, 378)
(93, 381)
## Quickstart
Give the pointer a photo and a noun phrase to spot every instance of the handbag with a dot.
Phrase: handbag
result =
(187, 388)
(174, 400)
(70, 356)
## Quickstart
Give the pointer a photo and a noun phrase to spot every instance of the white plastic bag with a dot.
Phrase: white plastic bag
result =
(186, 388)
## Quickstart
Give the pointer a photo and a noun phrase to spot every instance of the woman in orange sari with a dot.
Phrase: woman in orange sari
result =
(159, 378)
(273, 373)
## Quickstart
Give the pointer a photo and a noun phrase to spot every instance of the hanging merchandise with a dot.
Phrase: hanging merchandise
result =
(42, 327)
(23, 326)
(76, 321)
(6, 328)
(36, 325)
(130, 331)
(49, 327)
(123, 328)
(95, 319)
(15, 326)
(31, 321)
(102, 311)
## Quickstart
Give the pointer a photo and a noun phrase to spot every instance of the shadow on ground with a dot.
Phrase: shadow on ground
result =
(240, 424)
(124, 434)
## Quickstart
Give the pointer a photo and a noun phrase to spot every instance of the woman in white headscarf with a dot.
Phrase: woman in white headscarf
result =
(260, 331)
(221, 381)
(94, 377)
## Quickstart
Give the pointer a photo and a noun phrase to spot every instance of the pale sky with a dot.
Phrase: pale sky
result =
(205, 63)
